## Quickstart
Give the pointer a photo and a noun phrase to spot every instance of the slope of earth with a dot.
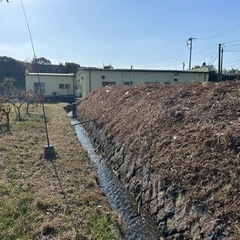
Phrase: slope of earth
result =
(176, 148)
(49, 199)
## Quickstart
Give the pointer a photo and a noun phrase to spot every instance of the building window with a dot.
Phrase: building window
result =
(167, 83)
(127, 83)
(38, 85)
(103, 77)
(104, 84)
(61, 86)
(67, 86)
(175, 79)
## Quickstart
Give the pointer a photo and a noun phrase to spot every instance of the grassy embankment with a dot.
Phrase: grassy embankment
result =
(43, 199)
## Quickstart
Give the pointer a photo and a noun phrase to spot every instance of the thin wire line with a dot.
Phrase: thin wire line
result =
(64, 196)
(38, 76)
(233, 41)
(54, 167)
(228, 31)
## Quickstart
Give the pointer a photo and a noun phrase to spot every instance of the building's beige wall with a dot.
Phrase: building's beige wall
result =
(52, 84)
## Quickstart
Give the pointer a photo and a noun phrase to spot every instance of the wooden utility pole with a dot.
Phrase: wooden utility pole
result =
(190, 44)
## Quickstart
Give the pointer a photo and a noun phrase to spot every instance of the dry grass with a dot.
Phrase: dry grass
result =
(49, 199)
(188, 134)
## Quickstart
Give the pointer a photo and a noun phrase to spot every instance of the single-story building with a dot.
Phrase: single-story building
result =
(88, 79)
(52, 84)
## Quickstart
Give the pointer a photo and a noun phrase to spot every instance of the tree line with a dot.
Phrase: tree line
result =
(12, 68)
(227, 74)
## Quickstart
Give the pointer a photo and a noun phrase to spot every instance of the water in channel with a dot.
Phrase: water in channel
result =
(139, 226)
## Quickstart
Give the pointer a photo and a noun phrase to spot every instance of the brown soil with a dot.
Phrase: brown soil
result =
(190, 136)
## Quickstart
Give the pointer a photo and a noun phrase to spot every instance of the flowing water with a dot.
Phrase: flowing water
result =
(139, 225)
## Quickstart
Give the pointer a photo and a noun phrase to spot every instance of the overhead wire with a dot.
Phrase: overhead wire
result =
(200, 54)
(38, 76)
(45, 120)
(229, 31)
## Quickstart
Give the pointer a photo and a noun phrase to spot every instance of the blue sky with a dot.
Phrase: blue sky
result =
(148, 34)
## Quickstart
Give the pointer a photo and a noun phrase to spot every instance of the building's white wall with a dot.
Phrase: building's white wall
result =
(88, 79)
(194, 77)
(152, 77)
(82, 85)
(91, 79)
(52, 82)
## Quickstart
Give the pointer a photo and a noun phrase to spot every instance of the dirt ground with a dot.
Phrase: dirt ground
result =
(190, 134)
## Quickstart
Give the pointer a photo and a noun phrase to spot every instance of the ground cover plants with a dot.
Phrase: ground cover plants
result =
(49, 199)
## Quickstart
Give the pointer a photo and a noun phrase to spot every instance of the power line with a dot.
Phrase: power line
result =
(228, 31)
(49, 149)
(233, 41)
(232, 45)
(202, 58)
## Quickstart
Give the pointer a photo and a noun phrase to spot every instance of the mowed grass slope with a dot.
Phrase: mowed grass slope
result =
(44, 199)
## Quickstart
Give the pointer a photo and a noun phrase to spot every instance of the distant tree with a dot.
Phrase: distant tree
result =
(6, 86)
(41, 61)
(233, 71)
(108, 67)
(11, 68)
(213, 75)
(71, 67)
(230, 74)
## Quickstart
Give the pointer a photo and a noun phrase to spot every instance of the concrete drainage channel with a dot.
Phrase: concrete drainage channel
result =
(139, 225)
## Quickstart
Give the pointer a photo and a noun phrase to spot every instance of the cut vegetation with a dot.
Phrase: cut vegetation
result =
(176, 148)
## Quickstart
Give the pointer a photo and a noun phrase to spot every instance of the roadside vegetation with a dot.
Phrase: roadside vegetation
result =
(49, 199)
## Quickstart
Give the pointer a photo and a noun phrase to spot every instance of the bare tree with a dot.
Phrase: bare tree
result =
(17, 98)
(5, 109)
(31, 97)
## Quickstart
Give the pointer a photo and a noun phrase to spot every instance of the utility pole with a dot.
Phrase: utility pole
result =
(220, 61)
(190, 44)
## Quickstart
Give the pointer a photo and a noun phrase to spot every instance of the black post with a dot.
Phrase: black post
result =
(219, 61)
